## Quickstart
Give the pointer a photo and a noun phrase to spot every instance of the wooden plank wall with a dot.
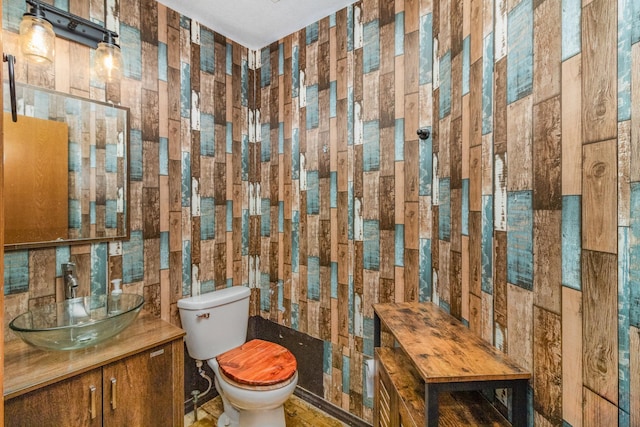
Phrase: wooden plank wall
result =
(296, 170)
(187, 88)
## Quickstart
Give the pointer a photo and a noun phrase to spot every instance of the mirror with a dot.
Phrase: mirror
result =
(66, 176)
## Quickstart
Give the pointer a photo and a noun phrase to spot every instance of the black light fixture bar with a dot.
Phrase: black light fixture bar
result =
(71, 27)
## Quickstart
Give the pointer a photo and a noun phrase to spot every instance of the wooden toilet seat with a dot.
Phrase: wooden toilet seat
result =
(258, 363)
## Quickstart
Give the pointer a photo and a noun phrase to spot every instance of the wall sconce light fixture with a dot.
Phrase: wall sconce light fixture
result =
(43, 22)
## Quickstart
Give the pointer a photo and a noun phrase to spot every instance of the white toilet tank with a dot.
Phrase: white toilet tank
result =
(215, 322)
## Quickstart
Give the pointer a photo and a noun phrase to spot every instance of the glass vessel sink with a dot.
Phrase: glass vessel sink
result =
(78, 322)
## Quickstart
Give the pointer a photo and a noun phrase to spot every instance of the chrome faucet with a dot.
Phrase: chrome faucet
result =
(70, 281)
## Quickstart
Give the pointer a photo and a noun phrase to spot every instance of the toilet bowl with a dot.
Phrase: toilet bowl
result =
(254, 378)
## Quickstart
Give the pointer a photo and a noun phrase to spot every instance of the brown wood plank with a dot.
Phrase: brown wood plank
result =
(547, 360)
(599, 84)
(426, 330)
(547, 45)
(572, 356)
(547, 256)
(547, 174)
(600, 189)
(598, 411)
(600, 324)
(572, 126)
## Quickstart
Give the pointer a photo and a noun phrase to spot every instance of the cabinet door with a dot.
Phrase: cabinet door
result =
(73, 402)
(386, 400)
(138, 390)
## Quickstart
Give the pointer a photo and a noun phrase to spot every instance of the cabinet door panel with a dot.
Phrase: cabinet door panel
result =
(67, 403)
(143, 390)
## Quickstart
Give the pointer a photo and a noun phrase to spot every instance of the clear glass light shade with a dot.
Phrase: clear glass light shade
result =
(37, 39)
(107, 62)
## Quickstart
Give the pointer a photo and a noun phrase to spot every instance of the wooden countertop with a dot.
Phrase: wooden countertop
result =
(27, 368)
(442, 349)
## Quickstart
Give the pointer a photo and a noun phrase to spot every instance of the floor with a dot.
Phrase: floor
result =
(298, 413)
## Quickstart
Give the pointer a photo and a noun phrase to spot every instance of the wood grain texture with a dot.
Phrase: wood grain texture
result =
(600, 364)
(547, 173)
(572, 125)
(599, 85)
(520, 325)
(634, 369)
(598, 411)
(258, 363)
(547, 255)
(572, 356)
(434, 339)
(599, 180)
(547, 360)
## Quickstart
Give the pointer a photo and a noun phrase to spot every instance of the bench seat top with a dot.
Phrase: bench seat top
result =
(441, 348)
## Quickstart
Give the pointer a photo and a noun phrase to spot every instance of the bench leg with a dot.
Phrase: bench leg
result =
(520, 404)
(431, 405)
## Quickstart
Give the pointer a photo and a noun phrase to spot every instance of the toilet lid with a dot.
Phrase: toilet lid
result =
(258, 363)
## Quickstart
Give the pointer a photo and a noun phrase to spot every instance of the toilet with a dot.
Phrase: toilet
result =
(253, 378)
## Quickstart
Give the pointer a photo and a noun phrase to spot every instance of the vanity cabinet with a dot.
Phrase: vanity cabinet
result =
(134, 379)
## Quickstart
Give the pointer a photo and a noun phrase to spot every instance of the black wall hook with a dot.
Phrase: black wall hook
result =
(424, 133)
(10, 60)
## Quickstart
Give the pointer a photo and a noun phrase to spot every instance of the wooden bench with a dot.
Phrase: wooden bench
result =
(434, 370)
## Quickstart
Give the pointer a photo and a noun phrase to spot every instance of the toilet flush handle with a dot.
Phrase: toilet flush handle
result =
(202, 316)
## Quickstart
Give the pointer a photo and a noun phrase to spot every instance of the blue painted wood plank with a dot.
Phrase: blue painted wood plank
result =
(99, 266)
(634, 256)
(185, 90)
(229, 139)
(163, 66)
(229, 61)
(295, 154)
(635, 22)
(487, 85)
(312, 107)
(368, 336)
(334, 280)
(371, 245)
(313, 193)
(487, 244)
(624, 59)
(350, 209)
(399, 34)
(265, 144)
(426, 283)
(571, 242)
(133, 258)
(624, 294)
(280, 295)
(207, 286)
(350, 28)
(111, 207)
(444, 211)
(399, 140)
(466, 64)
(281, 216)
(207, 51)
(12, 11)
(327, 357)
(280, 59)
(425, 176)
(313, 278)
(63, 255)
(351, 305)
(520, 51)
(244, 83)
(41, 105)
(131, 47)
(186, 268)
(571, 28)
(207, 135)
(229, 205)
(445, 84)
(371, 149)
(345, 374)
(295, 71)
(371, 47)
(333, 98)
(332, 20)
(520, 238)
(16, 272)
(399, 245)
(281, 138)
(75, 214)
(333, 202)
(265, 292)
(186, 179)
(164, 156)
(64, 5)
(265, 69)
(245, 232)
(465, 206)
(426, 49)
(245, 157)
(164, 250)
(110, 158)
(295, 316)
(350, 115)
(265, 217)
(366, 400)
(207, 218)
(295, 241)
(92, 212)
(185, 22)
(312, 33)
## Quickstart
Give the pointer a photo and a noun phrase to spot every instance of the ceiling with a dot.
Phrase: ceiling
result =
(256, 23)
